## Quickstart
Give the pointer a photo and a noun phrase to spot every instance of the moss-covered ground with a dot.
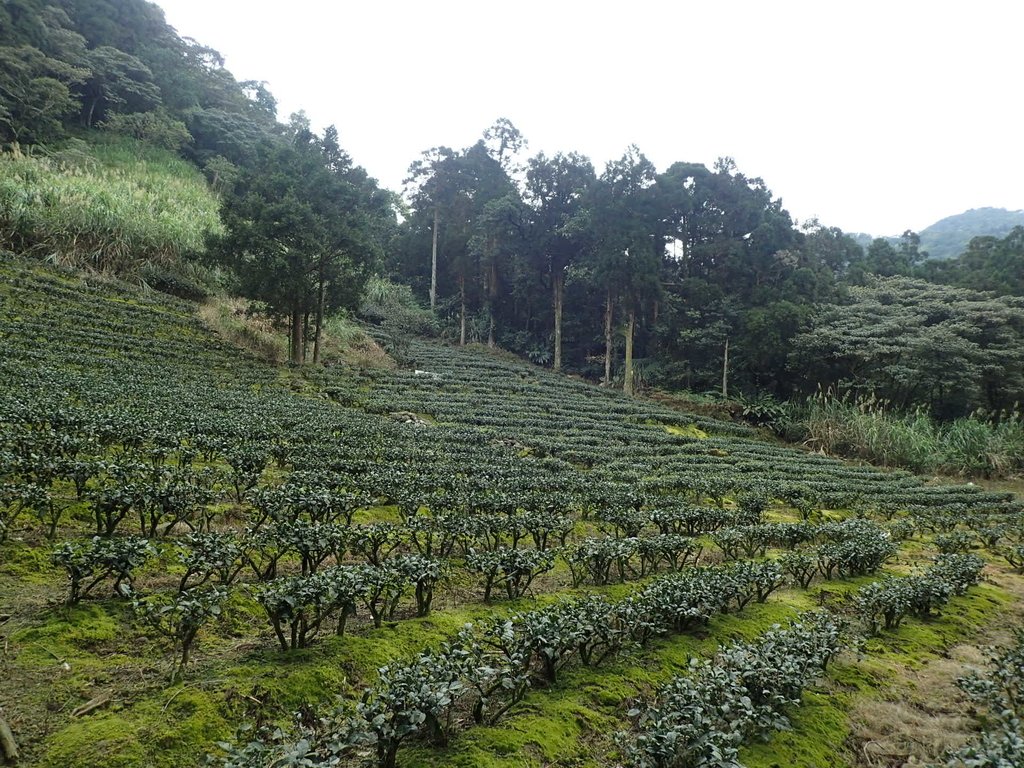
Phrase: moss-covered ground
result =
(62, 658)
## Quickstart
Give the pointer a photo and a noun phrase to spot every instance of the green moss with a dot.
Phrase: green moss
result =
(285, 682)
(547, 730)
(110, 740)
(689, 430)
(782, 515)
(757, 618)
(916, 549)
(920, 640)
(381, 514)
(608, 691)
(69, 632)
(241, 612)
(395, 641)
(861, 676)
(177, 728)
(180, 727)
(816, 739)
(23, 563)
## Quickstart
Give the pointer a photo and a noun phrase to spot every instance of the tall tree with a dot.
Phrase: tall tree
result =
(887, 260)
(504, 143)
(830, 248)
(303, 237)
(432, 185)
(558, 190)
(628, 248)
(454, 197)
(35, 94)
(481, 182)
(732, 255)
(913, 343)
(988, 264)
(117, 82)
(499, 234)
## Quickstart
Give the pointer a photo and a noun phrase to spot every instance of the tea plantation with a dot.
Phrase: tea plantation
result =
(205, 559)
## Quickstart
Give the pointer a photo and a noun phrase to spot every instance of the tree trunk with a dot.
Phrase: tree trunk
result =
(608, 340)
(297, 342)
(186, 648)
(462, 318)
(319, 322)
(492, 290)
(725, 370)
(557, 283)
(627, 384)
(433, 261)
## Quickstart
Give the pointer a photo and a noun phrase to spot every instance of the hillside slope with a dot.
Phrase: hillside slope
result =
(114, 205)
(120, 402)
(948, 237)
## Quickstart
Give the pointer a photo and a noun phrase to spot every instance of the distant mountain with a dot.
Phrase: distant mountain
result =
(948, 238)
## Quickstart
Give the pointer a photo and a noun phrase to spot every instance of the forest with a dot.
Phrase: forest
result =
(687, 277)
(528, 463)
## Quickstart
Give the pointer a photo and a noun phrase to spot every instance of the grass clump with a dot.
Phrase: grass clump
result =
(112, 206)
(975, 445)
(241, 324)
(819, 731)
(687, 431)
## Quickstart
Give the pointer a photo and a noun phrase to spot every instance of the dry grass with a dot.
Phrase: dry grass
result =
(230, 319)
(347, 343)
(922, 713)
(344, 342)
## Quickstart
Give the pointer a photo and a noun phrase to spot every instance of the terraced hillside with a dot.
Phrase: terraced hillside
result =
(473, 563)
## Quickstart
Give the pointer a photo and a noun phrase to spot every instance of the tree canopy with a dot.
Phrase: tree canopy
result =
(304, 232)
(910, 342)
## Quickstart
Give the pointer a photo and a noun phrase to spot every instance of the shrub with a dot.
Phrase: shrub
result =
(512, 569)
(701, 719)
(98, 560)
(999, 695)
(179, 618)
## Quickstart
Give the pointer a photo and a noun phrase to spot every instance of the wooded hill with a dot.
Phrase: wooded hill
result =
(683, 277)
(949, 237)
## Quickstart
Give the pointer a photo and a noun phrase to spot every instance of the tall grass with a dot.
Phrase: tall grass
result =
(867, 429)
(112, 206)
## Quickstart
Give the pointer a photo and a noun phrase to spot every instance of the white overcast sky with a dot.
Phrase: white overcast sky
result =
(874, 116)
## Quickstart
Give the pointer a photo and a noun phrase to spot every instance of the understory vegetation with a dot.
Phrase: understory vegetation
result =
(979, 445)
